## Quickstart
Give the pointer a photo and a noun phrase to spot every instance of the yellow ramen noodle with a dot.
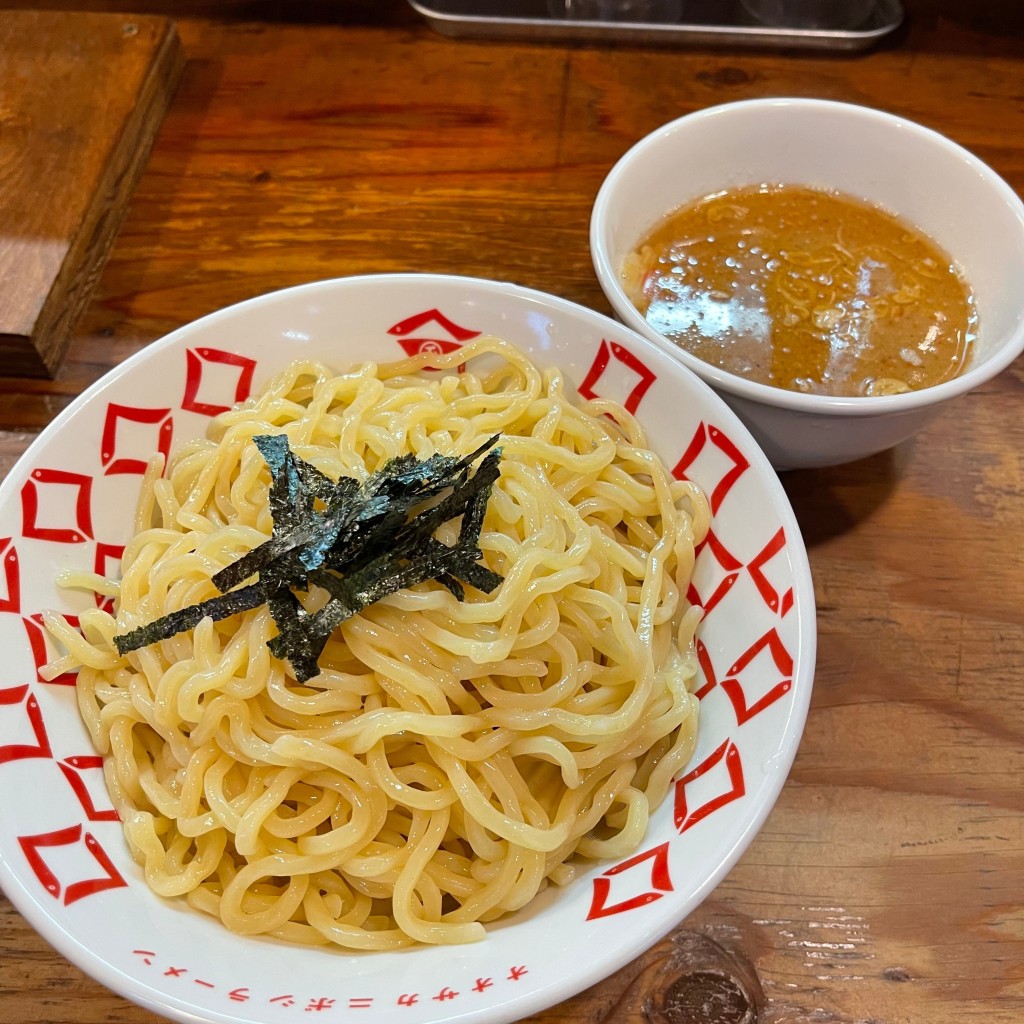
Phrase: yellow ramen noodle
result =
(805, 290)
(452, 758)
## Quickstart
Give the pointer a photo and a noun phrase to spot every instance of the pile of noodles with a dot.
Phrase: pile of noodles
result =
(452, 758)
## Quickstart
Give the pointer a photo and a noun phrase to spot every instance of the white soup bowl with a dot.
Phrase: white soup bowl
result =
(909, 170)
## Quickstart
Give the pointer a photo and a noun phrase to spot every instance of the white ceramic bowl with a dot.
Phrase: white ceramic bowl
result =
(68, 502)
(913, 171)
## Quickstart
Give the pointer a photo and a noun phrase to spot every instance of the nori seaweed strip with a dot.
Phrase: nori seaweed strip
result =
(169, 625)
(406, 472)
(320, 485)
(311, 539)
(374, 534)
(302, 637)
(294, 484)
(415, 538)
(432, 475)
(383, 576)
(247, 565)
(454, 504)
(416, 530)
(289, 615)
(466, 567)
(467, 461)
(458, 591)
(302, 653)
(364, 542)
(469, 569)
(473, 517)
(290, 506)
(338, 522)
(408, 482)
(290, 500)
(275, 450)
(337, 586)
(353, 532)
(378, 579)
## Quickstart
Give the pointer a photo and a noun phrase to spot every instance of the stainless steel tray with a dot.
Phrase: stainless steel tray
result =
(716, 23)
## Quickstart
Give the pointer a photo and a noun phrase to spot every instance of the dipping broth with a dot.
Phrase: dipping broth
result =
(807, 290)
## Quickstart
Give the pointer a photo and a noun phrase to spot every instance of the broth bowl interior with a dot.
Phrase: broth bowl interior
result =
(908, 170)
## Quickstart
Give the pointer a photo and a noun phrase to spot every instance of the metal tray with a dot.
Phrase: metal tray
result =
(716, 23)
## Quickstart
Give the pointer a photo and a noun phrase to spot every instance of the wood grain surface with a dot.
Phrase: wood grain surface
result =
(81, 98)
(313, 140)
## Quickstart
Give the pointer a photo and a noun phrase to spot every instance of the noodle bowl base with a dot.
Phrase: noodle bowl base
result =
(63, 860)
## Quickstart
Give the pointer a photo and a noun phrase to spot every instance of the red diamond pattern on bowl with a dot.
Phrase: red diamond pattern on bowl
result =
(72, 769)
(728, 562)
(53, 482)
(654, 878)
(10, 596)
(424, 346)
(780, 603)
(145, 444)
(27, 705)
(715, 782)
(107, 563)
(32, 847)
(771, 645)
(414, 345)
(210, 398)
(722, 462)
(629, 390)
(720, 573)
(37, 642)
(707, 668)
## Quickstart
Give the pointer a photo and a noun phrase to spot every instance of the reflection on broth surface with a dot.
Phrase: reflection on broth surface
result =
(806, 290)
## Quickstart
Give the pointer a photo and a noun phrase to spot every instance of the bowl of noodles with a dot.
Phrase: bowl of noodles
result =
(380, 644)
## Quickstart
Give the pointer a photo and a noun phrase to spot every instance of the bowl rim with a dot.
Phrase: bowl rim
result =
(765, 394)
(130, 987)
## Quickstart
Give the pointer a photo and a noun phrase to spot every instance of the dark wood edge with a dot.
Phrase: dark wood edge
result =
(91, 244)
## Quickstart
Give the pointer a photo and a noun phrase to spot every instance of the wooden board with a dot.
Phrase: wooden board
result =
(81, 98)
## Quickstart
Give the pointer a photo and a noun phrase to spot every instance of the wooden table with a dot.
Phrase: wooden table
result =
(311, 140)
